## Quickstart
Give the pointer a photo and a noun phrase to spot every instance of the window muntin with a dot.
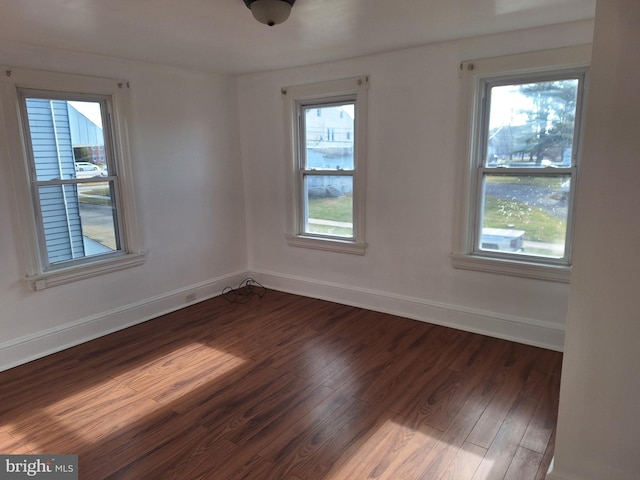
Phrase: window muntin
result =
(75, 196)
(327, 168)
(526, 167)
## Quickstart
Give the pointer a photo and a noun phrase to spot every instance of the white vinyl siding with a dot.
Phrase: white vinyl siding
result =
(50, 135)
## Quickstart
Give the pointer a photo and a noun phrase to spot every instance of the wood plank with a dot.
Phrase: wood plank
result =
(546, 459)
(309, 450)
(507, 441)
(525, 464)
(516, 366)
(465, 463)
(453, 439)
(410, 461)
(543, 422)
(13, 446)
(284, 439)
(158, 461)
(371, 456)
(206, 459)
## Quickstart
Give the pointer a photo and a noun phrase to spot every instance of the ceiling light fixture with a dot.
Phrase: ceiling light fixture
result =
(270, 12)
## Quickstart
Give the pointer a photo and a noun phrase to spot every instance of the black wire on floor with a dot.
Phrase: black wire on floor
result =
(247, 289)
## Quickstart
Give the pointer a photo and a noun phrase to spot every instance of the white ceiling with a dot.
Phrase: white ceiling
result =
(221, 35)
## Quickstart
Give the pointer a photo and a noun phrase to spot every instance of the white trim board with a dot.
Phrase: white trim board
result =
(518, 329)
(40, 344)
(529, 331)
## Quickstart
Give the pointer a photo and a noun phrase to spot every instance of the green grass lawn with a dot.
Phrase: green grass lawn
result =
(338, 209)
(98, 194)
(101, 189)
(539, 226)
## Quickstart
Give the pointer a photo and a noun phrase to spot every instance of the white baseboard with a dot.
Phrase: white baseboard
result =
(22, 350)
(523, 330)
(509, 327)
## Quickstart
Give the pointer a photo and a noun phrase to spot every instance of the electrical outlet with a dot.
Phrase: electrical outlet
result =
(190, 297)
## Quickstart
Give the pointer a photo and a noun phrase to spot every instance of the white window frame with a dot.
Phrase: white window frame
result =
(38, 274)
(320, 94)
(476, 75)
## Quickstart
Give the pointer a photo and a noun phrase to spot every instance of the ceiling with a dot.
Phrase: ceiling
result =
(221, 36)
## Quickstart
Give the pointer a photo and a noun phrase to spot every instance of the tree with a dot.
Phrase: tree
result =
(551, 118)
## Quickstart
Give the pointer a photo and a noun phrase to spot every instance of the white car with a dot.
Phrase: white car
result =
(86, 170)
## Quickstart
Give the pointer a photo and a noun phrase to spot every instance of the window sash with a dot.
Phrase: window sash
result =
(486, 86)
(305, 218)
(569, 174)
(482, 169)
(38, 186)
(317, 106)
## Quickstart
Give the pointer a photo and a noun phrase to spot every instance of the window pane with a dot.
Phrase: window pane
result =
(78, 220)
(329, 135)
(532, 124)
(67, 138)
(329, 205)
(525, 214)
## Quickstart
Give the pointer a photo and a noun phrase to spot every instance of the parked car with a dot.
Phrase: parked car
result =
(86, 170)
(85, 166)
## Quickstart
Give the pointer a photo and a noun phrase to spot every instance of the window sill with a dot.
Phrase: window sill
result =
(77, 273)
(515, 268)
(326, 244)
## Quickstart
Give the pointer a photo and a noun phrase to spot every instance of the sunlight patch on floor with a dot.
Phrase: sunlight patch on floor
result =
(95, 413)
(382, 454)
(396, 450)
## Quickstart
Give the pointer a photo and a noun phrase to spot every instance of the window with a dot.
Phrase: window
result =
(326, 136)
(524, 165)
(82, 217)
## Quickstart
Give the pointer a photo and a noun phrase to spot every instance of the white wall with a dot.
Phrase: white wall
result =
(190, 199)
(599, 419)
(416, 156)
(212, 200)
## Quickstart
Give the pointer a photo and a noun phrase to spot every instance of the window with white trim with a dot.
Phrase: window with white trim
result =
(326, 137)
(524, 158)
(78, 206)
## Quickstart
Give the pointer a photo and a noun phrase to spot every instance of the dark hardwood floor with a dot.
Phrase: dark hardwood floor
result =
(288, 388)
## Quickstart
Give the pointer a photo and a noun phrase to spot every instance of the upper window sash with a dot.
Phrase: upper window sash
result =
(484, 97)
(326, 134)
